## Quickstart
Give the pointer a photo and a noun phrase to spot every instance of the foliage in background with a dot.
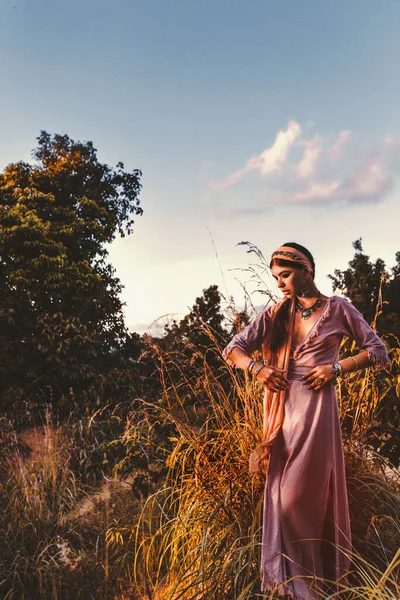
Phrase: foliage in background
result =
(61, 320)
(369, 284)
(193, 331)
(376, 293)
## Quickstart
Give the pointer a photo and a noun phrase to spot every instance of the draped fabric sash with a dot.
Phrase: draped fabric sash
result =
(273, 406)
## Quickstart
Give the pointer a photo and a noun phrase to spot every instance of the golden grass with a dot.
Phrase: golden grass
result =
(197, 534)
(52, 527)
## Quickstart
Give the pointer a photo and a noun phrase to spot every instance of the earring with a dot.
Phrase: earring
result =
(304, 292)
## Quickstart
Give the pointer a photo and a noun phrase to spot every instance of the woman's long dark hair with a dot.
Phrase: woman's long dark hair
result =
(280, 322)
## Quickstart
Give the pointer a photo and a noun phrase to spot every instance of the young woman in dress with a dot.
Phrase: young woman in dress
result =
(306, 537)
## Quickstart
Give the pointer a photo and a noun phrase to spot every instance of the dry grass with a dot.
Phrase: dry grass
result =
(195, 533)
(198, 536)
(52, 527)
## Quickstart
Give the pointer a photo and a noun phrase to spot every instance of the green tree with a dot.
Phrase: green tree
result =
(375, 291)
(61, 319)
(370, 285)
(200, 325)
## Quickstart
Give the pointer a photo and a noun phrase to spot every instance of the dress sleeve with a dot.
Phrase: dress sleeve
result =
(356, 327)
(252, 336)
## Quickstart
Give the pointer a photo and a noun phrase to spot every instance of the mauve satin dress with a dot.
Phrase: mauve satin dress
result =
(306, 528)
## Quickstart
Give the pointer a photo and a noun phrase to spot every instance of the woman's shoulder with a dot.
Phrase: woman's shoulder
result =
(345, 310)
(269, 311)
(342, 302)
(339, 302)
(339, 309)
(338, 299)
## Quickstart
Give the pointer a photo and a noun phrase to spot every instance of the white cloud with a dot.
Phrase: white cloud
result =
(325, 174)
(335, 151)
(369, 183)
(271, 160)
(371, 180)
(307, 167)
(318, 191)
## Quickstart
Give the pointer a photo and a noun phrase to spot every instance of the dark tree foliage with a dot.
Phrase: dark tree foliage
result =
(198, 328)
(364, 280)
(375, 291)
(61, 320)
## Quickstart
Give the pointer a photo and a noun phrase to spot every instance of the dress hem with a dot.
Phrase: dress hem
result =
(278, 587)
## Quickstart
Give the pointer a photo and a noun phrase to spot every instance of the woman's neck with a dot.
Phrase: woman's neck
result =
(312, 296)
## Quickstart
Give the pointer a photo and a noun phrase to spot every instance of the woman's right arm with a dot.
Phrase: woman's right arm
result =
(271, 377)
(244, 343)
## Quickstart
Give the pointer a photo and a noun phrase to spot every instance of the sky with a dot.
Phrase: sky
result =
(265, 121)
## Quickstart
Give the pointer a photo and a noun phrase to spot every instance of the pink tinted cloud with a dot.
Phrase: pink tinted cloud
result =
(335, 151)
(307, 166)
(321, 191)
(326, 172)
(370, 181)
(270, 160)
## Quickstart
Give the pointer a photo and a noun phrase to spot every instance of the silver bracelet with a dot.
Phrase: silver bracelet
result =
(250, 366)
(355, 360)
(258, 369)
(337, 370)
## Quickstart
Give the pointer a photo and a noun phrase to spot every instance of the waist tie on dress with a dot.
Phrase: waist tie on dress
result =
(297, 371)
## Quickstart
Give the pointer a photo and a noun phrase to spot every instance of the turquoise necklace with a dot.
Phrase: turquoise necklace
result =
(306, 312)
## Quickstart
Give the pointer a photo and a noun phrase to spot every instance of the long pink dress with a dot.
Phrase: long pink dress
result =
(306, 529)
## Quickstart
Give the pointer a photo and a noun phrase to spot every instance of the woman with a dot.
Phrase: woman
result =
(306, 529)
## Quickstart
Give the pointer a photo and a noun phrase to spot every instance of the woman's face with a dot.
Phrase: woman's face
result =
(289, 281)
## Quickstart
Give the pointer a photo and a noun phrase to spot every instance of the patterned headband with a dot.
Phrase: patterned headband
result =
(289, 253)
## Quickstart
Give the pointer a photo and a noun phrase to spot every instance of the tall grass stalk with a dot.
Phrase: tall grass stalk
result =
(199, 535)
(52, 526)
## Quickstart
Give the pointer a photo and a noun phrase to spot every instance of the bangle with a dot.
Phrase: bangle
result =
(336, 370)
(258, 369)
(355, 360)
(250, 366)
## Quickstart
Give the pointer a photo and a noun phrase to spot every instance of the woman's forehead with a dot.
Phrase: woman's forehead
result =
(277, 270)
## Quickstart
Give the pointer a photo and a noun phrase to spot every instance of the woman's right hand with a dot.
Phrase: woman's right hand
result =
(272, 378)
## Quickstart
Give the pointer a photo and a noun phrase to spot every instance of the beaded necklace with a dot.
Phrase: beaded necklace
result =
(306, 312)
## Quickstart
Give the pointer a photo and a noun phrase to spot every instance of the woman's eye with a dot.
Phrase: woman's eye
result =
(286, 275)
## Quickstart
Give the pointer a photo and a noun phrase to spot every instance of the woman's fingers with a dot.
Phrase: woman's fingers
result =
(273, 379)
(281, 383)
(277, 384)
(279, 373)
(310, 376)
(274, 383)
(280, 378)
(313, 380)
(317, 383)
(274, 388)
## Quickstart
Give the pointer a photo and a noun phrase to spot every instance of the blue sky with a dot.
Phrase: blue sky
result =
(253, 120)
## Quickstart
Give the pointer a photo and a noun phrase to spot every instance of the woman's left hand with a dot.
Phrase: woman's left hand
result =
(318, 377)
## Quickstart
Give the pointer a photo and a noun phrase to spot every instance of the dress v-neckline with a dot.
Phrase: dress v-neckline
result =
(314, 324)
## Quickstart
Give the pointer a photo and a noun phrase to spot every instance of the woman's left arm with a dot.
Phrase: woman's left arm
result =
(372, 350)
